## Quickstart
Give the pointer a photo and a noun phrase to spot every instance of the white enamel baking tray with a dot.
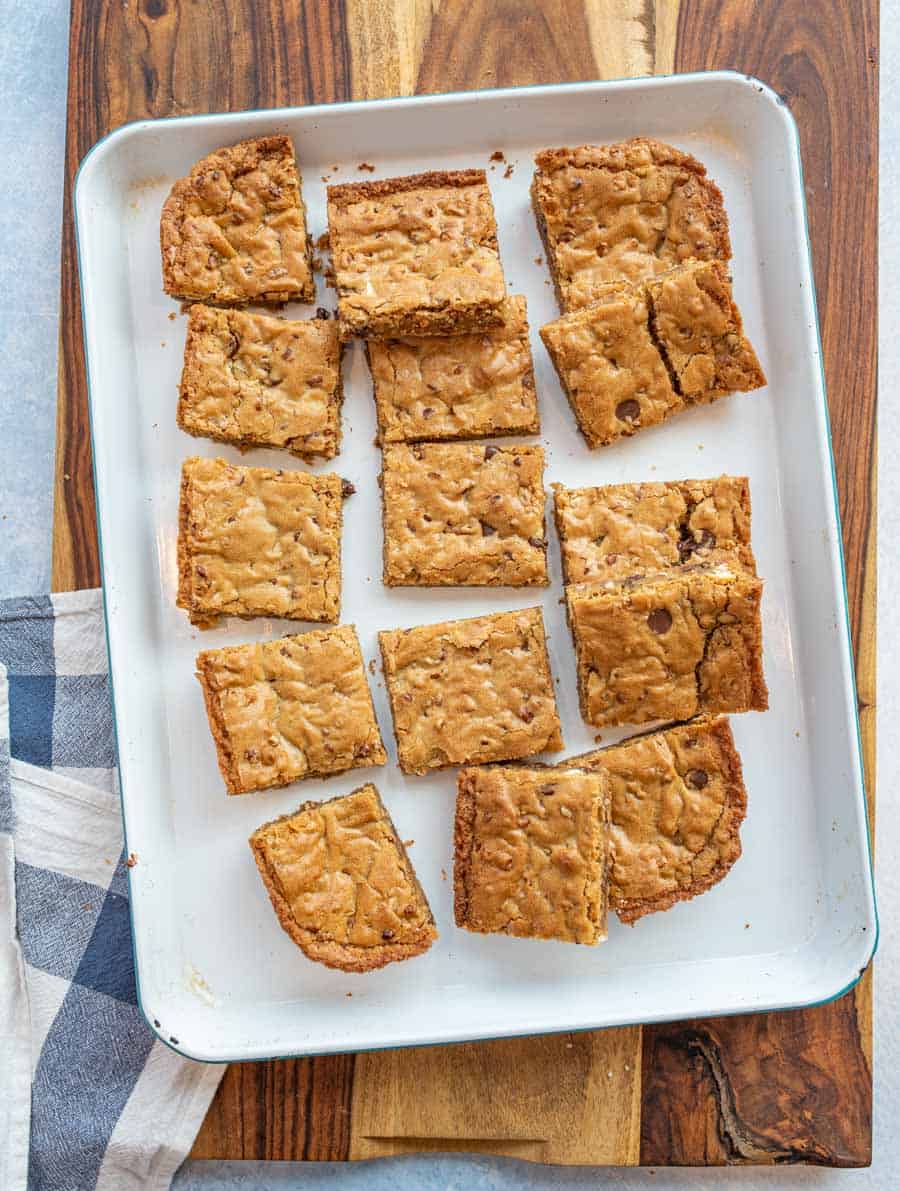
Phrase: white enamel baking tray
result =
(794, 923)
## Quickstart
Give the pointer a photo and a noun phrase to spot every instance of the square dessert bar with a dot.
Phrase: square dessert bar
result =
(463, 514)
(291, 708)
(257, 542)
(677, 804)
(342, 884)
(668, 647)
(610, 368)
(471, 691)
(257, 381)
(610, 214)
(530, 853)
(700, 332)
(455, 387)
(416, 255)
(234, 230)
(615, 532)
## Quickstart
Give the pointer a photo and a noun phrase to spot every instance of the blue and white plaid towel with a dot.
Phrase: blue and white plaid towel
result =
(88, 1097)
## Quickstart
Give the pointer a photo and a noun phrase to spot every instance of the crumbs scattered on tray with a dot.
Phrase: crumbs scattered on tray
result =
(365, 167)
(171, 316)
(746, 926)
(132, 860)
(538, 260)
(508, 172)
(408, 843)
(348, 994)
(443, 874)
(497, 155)
(598, 738)
(371, 665)
(322, 243)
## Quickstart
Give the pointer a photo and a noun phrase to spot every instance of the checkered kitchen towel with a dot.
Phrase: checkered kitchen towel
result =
(82, 1077)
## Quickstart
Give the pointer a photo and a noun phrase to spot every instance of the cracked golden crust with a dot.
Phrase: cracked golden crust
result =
(668, 647)
(234, 230)
(258, 542)
(342, 885)
(459, 386)
(530, 853)
(471, 691)
(292, 708)
(258, 381)
(619, 213)
(700, 331)
(677, 804)
(463, 514)
(622, 530)
(610, 369)
(416, 255)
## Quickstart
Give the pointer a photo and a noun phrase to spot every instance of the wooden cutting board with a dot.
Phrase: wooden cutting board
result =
(779, 1087)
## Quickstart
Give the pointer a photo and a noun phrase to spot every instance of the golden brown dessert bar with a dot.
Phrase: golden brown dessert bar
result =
(677, 804)
(463, 514)
(234, 230)
(416, 255)
(257, 381)
(615, 532)
(530, 853)
(342, 885)
(291, 708)
(456, 387)
(610, 214)
(258, 542)
(668, 648)
(699, 329)
(471, 691)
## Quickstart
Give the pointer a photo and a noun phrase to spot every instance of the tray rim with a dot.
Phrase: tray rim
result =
(730, 78)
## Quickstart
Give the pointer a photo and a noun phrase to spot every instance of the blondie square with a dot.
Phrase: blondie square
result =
(668, 647)
(456, 387)
(471, 691)
(610, 369)
(678, 801)
(234, 230)
(416, 255)
(257, 381)
(342, 884)
(530, 853)
(463, 514)
(257, 542)
(614, 532)
(610, 214)
(291, 708)
(700, 332)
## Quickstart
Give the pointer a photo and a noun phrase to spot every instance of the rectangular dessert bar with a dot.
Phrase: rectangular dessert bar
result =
(463, 514)
(456, 387)
(258, 381)
(416, 255)
(610, 214)
(291, 708)
(342, 885)
(471, 691)
(258, 542)
(668, 647)
(615, 532)
(530, 852)
(234, 230)
(677, 804)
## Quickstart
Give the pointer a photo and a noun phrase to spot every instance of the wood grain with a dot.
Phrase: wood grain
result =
(770, 1088)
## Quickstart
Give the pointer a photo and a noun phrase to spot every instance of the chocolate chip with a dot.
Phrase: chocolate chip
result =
(387, 934)
(486, 529)
(697, 778)
(314, 381)
(526, 714)
(660, 620)
(321, 312)
(707, 540)
(427, 411)
(538, 543)
(490, 452)
(517, 462)
(628, 411)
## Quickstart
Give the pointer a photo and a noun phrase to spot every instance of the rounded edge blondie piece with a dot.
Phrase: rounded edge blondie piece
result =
(416, 255)
(609, 214)
(668, 646)
(463, 515)
(610, 533)
(530, 852)
(677, 804)
(230, 521)
(234, 230)
(258, 381)
(453, 387)
(291, 708)
(341, 883)
(471, 691)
